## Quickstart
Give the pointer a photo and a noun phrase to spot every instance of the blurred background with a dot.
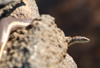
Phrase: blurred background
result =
(77, 18)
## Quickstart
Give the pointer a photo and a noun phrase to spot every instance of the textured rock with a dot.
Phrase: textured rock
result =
(18, 9)
(28, 9)
(68, 62)
(3, 2)
(40, 45)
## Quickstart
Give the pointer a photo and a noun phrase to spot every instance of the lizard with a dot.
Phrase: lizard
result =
(77, 39)
(8, 24)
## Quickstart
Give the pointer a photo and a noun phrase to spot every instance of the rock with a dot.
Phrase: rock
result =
(40, 45)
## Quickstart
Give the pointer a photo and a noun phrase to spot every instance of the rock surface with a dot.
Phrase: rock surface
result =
(18, 9)
(40, 45)
(3, 2)
(68, 62)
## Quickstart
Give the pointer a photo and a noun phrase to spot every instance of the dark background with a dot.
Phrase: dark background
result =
(77, 18)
